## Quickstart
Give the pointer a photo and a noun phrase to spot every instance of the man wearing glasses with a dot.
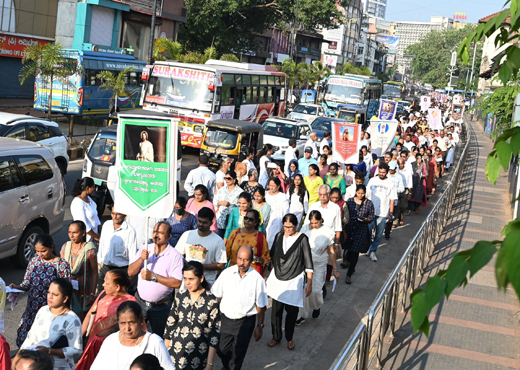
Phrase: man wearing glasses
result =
(204, 246)
(117, 245)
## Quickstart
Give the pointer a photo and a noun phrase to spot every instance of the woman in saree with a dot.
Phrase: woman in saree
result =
(101, 319)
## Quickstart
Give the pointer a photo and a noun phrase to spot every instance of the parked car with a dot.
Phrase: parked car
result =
(278, 131)
(322, 124)
(306, 112)
(42, 131)
(32, 196)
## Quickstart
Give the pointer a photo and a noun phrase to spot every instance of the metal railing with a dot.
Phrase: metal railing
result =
(366, 344)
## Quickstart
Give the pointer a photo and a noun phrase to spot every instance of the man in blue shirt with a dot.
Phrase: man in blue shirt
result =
(306, 161)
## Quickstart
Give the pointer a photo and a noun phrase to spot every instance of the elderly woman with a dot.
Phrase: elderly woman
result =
(57, 329)
(252, 184)
(279, 208)
(201, 200)
(41, 271)
(180, 221)
(121, 348)
(225, 200)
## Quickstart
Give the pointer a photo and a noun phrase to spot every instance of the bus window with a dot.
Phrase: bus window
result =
(272, 80)
(249, 95)
(134, 79)
(270, 94)
(255, 80)
(254, 97)
(282, 94)
(246, 79)
(263, 80)
(262, 95)
(228, 80)
(238, 80)
(227, 98)
(217, 99)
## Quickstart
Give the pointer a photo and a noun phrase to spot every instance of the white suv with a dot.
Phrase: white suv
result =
(32, 197)
(42, 131)
(278, 131)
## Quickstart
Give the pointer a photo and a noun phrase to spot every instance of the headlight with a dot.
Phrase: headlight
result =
(198, 129)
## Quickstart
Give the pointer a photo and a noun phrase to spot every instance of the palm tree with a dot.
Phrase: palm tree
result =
(114, 83)
(294, 73)
(318, 73)
(164, 49)
(43, 60)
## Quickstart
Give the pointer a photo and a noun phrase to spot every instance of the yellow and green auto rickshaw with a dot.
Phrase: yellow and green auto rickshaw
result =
(228, 138)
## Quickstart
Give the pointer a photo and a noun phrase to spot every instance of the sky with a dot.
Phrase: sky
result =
(413, 10)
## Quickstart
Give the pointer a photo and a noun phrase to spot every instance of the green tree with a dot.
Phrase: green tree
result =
(318, 73)
(229, 58)
(467, 263)
(50, 62)
(433, 56)
(364, 71)
(166, 49)
(348, 68)
(115, 83)
(233, 25)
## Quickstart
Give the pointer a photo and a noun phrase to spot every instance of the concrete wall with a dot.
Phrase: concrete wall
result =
(66, 22)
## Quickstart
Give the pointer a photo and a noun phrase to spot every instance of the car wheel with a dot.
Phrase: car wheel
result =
(26, 249)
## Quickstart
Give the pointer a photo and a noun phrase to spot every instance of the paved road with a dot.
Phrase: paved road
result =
(12, 274)
(477, 328)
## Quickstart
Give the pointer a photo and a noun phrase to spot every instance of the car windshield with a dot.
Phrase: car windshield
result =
(222, 139)
(322, 124)
(280, 129)
(179, 92)
(104, 148)
(305, 109)
(347, 116)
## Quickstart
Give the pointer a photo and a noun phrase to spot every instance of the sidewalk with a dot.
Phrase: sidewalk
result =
(477, 328)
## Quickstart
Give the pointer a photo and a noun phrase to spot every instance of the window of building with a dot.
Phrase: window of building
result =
(136, 35)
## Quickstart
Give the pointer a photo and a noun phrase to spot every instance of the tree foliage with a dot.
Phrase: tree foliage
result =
(467, 263)
(351, 69)
(51, 62)
(232, 25)
(114, 82)
(433, 55)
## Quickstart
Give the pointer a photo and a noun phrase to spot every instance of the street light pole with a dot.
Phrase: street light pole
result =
(152, 32)
(292, 30)
(473, 66)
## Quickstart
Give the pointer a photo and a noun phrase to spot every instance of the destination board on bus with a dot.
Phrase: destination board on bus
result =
(345, 82)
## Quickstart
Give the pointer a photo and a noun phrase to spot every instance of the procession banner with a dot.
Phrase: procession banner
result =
(434, 118)
(425, 103)
(387, 110)
(382, 135)
(457, 99)
(346, 141)
(444, 97)
(146, 166)
(457, 111)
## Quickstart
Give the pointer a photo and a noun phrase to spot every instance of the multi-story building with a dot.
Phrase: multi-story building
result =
(370, 53)
(376, 8)
(22, 23)
(410, 33)
(115, 24)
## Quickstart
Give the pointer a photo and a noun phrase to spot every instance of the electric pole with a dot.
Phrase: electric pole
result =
(152, 31)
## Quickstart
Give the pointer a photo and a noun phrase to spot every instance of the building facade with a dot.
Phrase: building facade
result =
(376, 8)
(22, 23)
(410, 33)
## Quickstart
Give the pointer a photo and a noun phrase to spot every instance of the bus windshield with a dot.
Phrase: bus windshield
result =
(392, 90)
(222, 139)
(344, 94)
(179, 92)
(104, 148)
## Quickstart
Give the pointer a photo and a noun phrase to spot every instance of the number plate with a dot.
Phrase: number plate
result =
(55, 103)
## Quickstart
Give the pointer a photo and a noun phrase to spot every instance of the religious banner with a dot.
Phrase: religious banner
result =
(346, 141)
(387, 110)
(146, 165)
(382, 135)
(457, 99)
(425, 103)
(444, 97)
(457, 111)
(434, 118)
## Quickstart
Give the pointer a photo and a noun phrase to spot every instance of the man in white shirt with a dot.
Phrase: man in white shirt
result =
(312, 144)
(290, 154)
(325, 142)
(242, 294)
(351, 190)
(204, 246)
(330, 212)
(455, 135)
(201, 175)
(382, 192)
(117, 246)
(409, 144)
(401, 203)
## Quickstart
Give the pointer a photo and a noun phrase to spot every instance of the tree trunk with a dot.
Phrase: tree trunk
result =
(50, 99)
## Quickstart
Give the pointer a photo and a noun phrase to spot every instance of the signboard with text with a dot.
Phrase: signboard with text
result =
(345, 82)
(434, 118)
(146, 166)
(346, 141)
(14, 46)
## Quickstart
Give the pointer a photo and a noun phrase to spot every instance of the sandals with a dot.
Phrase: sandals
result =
(408, 213)
(291, 345)
(417, 211)
(273, 343)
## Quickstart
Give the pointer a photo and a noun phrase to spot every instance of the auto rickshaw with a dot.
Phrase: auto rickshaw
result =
(351, 114)
(229, 138)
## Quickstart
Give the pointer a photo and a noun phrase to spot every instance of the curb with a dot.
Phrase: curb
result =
(76, 153)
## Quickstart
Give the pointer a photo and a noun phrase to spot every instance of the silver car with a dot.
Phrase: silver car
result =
(32, 197)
